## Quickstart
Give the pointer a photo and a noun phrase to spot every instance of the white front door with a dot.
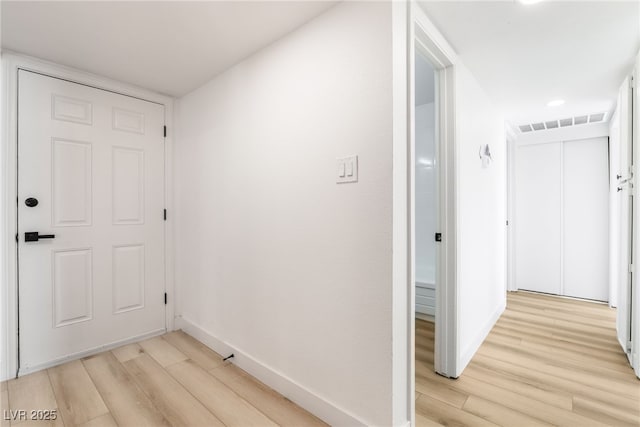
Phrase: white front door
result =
(91, 186)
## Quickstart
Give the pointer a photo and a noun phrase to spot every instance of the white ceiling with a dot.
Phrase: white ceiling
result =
(525, 56)
(169, 47)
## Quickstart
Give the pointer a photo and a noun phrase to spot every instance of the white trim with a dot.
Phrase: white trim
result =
(471, 350)
(90, 352)
(562, 223)
(402, 379)
(11, 62)
(635, 302)
(314, 403)
(511, 139)
(430, 42)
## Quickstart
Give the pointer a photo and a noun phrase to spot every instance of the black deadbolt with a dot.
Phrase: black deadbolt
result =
(31, 202)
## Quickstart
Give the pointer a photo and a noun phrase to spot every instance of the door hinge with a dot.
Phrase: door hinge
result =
(165, 214)
(507, 222)
(628, 346)
(165, 131)
(438, 237)
(630, 268)
(17, 238)
(165, 298)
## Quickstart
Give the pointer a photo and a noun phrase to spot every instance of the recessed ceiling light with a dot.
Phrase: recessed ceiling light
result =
(555, 103)
(527, 2)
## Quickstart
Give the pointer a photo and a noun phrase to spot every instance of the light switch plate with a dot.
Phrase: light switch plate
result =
(347, 170)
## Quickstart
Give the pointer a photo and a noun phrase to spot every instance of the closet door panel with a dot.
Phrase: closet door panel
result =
(586, 219)
(538, 217)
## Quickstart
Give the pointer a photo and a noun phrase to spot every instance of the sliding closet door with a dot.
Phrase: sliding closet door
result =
(586, 219)
(538, 217)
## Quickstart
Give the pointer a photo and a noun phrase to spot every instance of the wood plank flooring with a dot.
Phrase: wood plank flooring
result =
(172, 380)
(548, 361)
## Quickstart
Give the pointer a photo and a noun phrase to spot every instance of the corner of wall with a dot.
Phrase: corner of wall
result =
(471, 349)
(297, 393)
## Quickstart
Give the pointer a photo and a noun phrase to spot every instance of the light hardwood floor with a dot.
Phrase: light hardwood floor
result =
(171, 380)
(548, 361)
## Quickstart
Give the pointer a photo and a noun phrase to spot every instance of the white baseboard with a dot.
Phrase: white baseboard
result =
(317, 405)
(471, 350)
(89, 352)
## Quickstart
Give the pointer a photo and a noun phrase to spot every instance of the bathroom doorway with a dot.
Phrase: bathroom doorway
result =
(426, 231)
(426, 236)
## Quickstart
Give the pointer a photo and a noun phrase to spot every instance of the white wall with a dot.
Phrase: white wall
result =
(425, 207)
(273, 258)
(481, 215)
(425, 194)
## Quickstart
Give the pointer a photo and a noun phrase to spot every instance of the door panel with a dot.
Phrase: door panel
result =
(72, 286)
(538, 225)
(128, 186)
(586, 216)
(94, 160)
(71, 182)
(128, 278)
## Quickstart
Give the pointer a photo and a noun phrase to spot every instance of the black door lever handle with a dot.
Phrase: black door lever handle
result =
(34, 236)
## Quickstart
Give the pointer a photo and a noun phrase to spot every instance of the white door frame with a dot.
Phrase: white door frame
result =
(429, 42)
(511, 141)
(635, 294)
(423, 35)
(11, 63)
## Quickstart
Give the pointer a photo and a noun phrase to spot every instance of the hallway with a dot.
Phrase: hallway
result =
(548, 361)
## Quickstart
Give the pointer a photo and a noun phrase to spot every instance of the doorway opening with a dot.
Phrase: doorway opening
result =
(426, 198)
(431, 205)
(426, 233)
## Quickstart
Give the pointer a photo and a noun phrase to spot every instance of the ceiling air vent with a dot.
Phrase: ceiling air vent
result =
(563, 123)
(580, 120)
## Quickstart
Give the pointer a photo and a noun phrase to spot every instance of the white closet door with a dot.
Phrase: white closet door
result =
(586, 219)
(538, 217)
